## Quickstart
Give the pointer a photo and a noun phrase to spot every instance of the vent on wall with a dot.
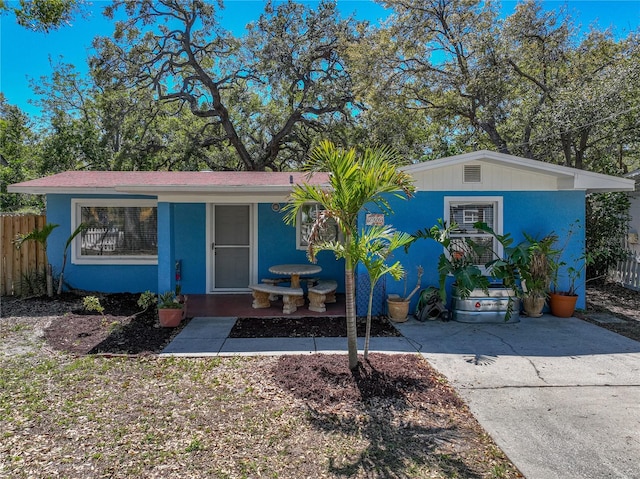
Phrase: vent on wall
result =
(472, 174)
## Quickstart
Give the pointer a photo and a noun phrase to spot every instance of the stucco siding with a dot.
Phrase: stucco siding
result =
(189, 224)
(534, 212)
(103, 278)
(277, 245)
(182, 236)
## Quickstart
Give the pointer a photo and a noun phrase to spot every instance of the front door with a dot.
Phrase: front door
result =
(231, 247)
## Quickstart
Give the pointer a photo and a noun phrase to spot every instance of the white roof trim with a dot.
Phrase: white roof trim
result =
(568, 178)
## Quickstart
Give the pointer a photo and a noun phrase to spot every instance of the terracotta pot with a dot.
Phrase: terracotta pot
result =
(170, 318)
(398, 309)
(533, 306)
(562, 305)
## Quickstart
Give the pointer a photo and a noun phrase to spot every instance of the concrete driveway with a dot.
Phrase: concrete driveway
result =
(561, 397)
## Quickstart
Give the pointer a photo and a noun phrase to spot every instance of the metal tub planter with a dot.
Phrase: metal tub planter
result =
(482, 308)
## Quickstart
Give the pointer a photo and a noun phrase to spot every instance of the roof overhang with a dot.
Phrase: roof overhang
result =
(173, 186)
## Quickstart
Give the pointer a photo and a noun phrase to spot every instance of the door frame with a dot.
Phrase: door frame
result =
(253, 250)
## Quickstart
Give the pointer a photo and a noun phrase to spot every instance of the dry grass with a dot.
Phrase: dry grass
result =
(64, 415)
(93, 417)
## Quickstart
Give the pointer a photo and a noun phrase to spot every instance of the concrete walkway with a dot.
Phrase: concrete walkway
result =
(209, 337)
(561, 397)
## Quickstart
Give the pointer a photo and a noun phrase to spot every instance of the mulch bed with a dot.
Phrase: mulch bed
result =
(124, 329)
(307, 327)
(325, 379)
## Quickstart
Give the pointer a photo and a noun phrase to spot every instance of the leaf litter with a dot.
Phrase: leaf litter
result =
(67, 412)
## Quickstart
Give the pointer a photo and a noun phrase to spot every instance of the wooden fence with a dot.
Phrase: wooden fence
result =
(627, 273)
(18, 264)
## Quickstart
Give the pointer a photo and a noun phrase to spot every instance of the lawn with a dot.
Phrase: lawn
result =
(291, 417)
(68, 411)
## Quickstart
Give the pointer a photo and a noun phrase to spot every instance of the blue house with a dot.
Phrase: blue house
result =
(218, 232)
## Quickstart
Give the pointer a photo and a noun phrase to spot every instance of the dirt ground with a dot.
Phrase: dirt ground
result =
(65, 325)
(67, 411)
(392, 417)
(612, 299)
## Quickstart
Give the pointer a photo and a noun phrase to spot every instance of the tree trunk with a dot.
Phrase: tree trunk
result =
(352, 334)
(367, 334)
(566, 148)
(49, 275)
(490, 129)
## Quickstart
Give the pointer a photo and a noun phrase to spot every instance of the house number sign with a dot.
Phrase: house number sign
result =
(374, 219)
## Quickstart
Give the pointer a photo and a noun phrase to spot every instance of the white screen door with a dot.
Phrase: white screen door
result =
(231, 247)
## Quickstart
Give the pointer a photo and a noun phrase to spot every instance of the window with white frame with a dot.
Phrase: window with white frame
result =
(465, 212)
(116, 231)
(304, 225)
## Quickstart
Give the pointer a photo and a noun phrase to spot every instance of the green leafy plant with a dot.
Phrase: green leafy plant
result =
(457, 262)
(373, 248)
(607, 220)
(33, 283)
(574, 274)
(147, 300)
(76, 232)
(540, 265)
(40, 236)
(92, 303)
(531, 264)
(357, 179)
(168, 300)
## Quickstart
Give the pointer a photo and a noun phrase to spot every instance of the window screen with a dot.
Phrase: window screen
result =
(306, 218)
(127, 231)
(464, 215)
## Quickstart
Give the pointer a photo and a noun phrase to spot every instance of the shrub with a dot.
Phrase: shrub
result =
(607, 219)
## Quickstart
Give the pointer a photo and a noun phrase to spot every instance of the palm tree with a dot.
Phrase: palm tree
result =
(375, 246)
(356, 179)
(40, 236)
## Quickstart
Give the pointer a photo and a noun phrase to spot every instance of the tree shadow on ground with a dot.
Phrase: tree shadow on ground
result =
(399, 412)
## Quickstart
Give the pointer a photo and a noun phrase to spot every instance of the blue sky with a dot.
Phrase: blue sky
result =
(25, 54)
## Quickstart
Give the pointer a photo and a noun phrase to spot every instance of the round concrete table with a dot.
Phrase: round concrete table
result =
(295, 271)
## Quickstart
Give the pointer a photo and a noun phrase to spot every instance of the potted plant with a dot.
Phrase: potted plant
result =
(398, 306)
(461, 263)
(528, 268)
(458, 262)
(563, 303)
(169, 310)
(536, 271)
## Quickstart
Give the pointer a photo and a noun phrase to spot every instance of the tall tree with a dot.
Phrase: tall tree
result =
(42, 15)
(97, 123)
(525, 84)
(16, 156)
(574, 95)
(262, 95)
(440, 56)
(356, 179)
